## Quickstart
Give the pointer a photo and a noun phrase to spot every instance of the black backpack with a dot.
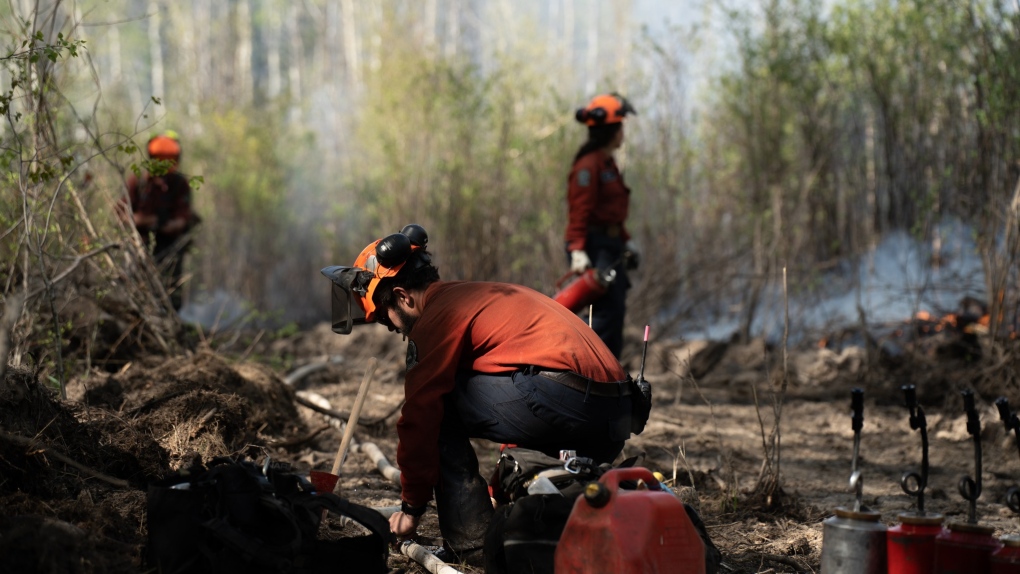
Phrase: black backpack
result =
(523, 533)
(237, 517)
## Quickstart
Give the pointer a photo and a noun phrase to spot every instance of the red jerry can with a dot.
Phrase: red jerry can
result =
(621, 531)
(965, 549)
(1006, 560)
(911, 543)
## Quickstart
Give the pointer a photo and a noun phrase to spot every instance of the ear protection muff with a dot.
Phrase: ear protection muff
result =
(604, 109)
(395, 249)
(596, 115)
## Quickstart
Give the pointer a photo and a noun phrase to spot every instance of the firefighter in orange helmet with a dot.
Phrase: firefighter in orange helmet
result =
(479, 367)
(161, 210)
(597, 205)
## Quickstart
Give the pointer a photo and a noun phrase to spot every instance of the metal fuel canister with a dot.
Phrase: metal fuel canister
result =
(911, 543)
(853, 542)
(965, 549)
(1006, 560)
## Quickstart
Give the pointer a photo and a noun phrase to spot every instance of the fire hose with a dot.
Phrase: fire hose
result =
(408, 548)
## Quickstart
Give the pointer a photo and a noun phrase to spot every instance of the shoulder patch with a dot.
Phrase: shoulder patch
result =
(412, 355)
(583, 178)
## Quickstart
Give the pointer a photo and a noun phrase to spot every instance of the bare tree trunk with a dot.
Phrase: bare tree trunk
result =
(295, 55)
(375, 42)
(621, 27)
(202, 46)
(568, 32)
(429, 25)
(453, 9)
(156, 50)
(274, 83)
(243, 76)
(351, 46)
(592, 67)
(116, 74)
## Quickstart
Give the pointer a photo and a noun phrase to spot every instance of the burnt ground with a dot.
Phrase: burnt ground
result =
(73, 472)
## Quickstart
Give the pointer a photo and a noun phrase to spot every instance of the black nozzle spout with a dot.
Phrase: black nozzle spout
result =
(1009, 418)
(970, 488)
(910, 396)
(973, 420)
(857, 405)
(1002, 403)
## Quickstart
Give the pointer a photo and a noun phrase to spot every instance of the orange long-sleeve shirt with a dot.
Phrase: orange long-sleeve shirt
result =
(487, 328)
(596, 196)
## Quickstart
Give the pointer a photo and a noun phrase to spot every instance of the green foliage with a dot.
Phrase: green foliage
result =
(470, 154)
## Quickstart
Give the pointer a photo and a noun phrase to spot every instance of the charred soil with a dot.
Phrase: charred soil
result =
(74, 471)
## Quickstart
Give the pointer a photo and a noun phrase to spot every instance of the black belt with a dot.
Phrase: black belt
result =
(586, 385)
(610, 229)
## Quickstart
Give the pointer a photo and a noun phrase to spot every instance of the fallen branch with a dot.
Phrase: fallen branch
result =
(305, 370)
(32, 443)
(384, 466)
(786, 560)
(302, 399)
(74, 264)
(419, 554)
(299, 440)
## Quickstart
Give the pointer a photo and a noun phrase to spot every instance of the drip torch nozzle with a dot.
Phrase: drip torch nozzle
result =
(857, 423)
(970, 488)
(911, 482)
(643, 385)
(1012, 423)
(857, 405)
(1008, 417)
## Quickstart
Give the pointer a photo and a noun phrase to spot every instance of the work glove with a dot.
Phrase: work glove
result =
(631, 256)
(579, 261)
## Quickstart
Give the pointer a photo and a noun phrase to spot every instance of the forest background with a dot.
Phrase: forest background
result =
(777, 144)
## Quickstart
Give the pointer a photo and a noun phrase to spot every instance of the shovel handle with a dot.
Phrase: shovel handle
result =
(355, 413)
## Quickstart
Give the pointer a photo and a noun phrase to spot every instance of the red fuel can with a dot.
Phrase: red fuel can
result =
(911, 543)
(965, 549)
(642, 531)
(1006, 560)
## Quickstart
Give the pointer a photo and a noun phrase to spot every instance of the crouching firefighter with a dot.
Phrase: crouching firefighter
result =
(495, 361)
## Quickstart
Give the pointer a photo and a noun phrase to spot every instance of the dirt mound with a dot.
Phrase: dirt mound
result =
(75, 472)
(199, 406)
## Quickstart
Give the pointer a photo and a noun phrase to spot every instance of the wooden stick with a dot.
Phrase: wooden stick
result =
(35, 444)
(355, 413)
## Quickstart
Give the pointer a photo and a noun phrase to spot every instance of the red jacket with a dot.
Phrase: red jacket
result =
(167, 197)
(596, 196)
(487, 328)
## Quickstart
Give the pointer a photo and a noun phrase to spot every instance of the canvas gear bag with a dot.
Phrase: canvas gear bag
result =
(237, 517)
(523, 533)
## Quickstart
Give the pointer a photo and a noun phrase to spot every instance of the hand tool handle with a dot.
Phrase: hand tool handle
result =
(355, 413)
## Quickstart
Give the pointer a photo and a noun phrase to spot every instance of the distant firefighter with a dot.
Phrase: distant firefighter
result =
(161, 211)
(597, 204)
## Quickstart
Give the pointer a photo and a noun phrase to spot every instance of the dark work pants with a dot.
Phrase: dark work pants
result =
(529, 411)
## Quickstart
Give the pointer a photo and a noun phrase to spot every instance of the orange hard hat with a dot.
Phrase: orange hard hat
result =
(355, 286)
(164, 147)
(605, 109)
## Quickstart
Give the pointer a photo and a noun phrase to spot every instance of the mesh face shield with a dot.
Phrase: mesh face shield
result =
(354, 286)
(350, 287)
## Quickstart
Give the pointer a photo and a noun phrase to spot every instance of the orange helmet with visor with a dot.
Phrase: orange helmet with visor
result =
(605, 109)
(354, 287)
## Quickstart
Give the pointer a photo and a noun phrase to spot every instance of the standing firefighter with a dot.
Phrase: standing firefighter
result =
(161, 210)
(484, 360)
(597, 205)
